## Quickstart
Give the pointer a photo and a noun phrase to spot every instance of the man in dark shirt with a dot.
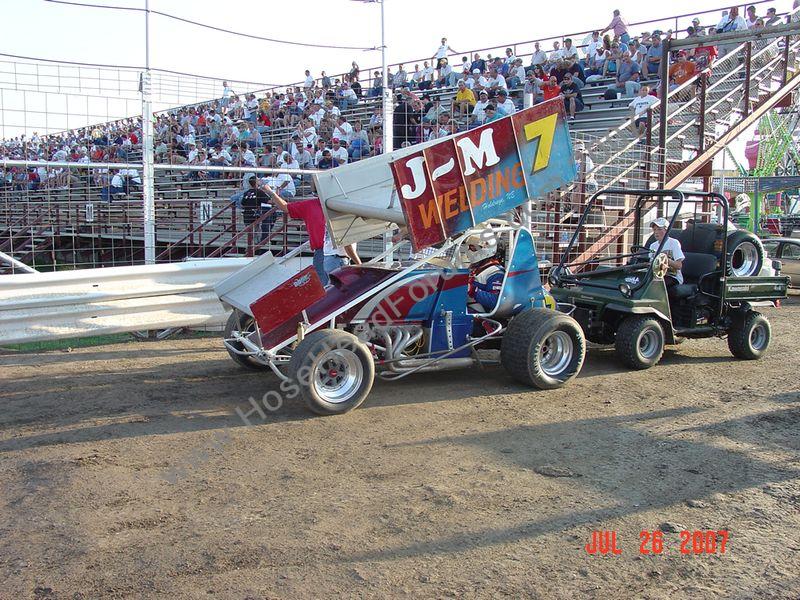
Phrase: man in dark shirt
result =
(573, 100)
(255, 203)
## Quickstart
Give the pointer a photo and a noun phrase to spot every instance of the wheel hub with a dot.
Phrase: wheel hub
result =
(338, 375)
(556, 353)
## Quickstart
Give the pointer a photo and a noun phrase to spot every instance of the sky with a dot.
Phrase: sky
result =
(413, 32)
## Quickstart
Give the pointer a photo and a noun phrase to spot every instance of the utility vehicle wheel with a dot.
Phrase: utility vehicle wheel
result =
(745, 254)
(245, 324)
(543, 348)
(640, 342)
(334, 371)
(748, 337)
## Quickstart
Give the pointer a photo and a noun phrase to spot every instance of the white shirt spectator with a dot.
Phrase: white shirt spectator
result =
(569, 52)
(591, 48)
(344, 132)
(478, 110)
(349, 94)
(538, 58)
(499, 80)
(309, 83)
(507, 107)
(277, 180)
(427, 74)
(223, 155)
(340, 154)
(249, 158)
(640, 104)
(117, 181)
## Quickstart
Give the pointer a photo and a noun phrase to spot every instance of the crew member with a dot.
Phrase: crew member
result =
(310, 211)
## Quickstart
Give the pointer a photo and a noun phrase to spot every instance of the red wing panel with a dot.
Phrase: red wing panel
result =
(287, 300)
(444, 172)
(418, 201)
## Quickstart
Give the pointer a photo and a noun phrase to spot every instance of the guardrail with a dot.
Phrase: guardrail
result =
(88, 302)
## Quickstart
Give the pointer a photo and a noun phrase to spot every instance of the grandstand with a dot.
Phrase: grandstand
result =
(57, 214)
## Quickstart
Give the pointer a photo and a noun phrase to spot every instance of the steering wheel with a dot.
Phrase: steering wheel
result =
(661, 265)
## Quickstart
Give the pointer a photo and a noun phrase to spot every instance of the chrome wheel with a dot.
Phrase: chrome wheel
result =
(759, 337)
(649, 343)
(744, 259)
(338, 375)
(556, 353)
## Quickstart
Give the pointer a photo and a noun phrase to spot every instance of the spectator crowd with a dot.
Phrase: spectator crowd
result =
(313, 122)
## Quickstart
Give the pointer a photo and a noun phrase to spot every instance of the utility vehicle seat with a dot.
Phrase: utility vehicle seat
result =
(695, 265)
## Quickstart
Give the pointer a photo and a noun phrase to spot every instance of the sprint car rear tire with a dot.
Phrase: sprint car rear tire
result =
(543, 348)
(334, 371)
(749, 336)
(640, 342)
(243, 323)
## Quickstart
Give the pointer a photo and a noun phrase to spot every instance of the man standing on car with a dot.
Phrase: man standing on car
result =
(672, 248)
(326, 257)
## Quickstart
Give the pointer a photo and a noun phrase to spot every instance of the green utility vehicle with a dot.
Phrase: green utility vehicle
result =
(623, 300)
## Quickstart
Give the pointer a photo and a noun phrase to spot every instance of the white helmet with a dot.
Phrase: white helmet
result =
(480, 248)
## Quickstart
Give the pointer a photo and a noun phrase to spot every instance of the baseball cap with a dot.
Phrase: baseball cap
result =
(502, 93)
(335, 140)
(660, 222)
(476, 71)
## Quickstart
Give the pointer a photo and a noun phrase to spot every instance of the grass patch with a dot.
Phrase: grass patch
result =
(97, 340)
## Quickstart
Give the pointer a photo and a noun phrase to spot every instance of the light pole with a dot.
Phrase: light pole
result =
(388, 108)
(148, 207)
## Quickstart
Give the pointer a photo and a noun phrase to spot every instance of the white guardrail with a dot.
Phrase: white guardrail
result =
(87, 302)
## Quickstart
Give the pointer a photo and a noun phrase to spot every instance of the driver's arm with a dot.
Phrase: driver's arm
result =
(675, 264)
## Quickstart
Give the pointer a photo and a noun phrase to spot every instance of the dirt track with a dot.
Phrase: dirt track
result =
(127, 473)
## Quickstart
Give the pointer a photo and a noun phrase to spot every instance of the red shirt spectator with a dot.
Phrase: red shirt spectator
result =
(551, 89)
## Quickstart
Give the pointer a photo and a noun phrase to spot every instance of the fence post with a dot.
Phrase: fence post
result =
(701, 141)
(662, 125)
(748, 53)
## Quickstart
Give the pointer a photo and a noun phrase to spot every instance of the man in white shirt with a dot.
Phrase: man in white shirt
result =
(592, 46)
(478, 114)
(248, 158)
(539, 57)
(496, 81)
(505, 104)
(427, 77)
(441, 52)
(639, 106)
(672, 248)
(569, 51)
(282, 183)
(338, 152)
(555, 55)
(343, 130)
(309, 82)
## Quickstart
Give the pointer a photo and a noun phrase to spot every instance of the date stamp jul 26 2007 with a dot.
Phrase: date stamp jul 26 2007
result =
(706, 541)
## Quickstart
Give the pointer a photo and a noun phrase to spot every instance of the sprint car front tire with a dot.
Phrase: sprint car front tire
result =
(543, 348)
(334, 371)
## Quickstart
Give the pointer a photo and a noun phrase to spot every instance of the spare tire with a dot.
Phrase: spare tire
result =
(745, 254)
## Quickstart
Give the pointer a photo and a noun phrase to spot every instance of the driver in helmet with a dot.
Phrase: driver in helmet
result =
(486, 272)
(672, 248)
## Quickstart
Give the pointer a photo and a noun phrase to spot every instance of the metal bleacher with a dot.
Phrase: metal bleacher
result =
(196, 218)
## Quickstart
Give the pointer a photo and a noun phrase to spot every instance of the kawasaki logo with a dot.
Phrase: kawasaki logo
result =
(302, 281)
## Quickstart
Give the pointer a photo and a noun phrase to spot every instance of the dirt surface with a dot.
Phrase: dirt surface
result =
(126, 472)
